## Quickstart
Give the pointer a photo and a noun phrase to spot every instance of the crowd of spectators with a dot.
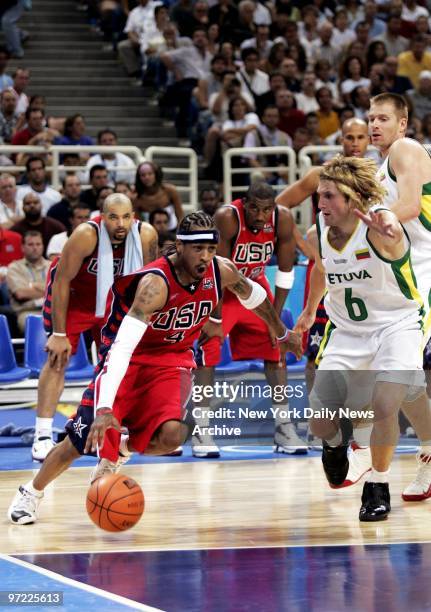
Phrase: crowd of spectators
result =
(225, 69)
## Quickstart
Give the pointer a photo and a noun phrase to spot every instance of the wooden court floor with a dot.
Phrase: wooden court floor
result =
(201, 505)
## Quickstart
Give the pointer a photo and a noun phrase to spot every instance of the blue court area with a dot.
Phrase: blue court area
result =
(18, 576)
(333, 579)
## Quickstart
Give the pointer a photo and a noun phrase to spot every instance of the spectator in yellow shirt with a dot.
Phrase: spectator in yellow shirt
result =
(411, 63)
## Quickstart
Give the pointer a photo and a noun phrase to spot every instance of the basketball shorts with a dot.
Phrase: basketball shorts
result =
(148, 396)
(248, 334)
(77, 322)
(394, 354)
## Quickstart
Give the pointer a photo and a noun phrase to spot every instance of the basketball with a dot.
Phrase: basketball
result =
(115, 502)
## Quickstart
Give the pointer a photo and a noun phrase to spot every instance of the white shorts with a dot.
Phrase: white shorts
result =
(394, 354)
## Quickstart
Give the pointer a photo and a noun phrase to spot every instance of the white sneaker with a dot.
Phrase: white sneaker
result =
(359, 464)
(420, 488)
(204, 447)
(23, 509)
(104, 467)
(287, 441)
(41, 448)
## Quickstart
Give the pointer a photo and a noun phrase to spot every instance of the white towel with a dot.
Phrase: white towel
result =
(133, 260)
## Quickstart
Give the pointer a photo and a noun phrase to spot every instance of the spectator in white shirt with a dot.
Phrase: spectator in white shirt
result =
(261, 42)
(140, 19)
(9, 205)
(324, 46)
(38, 184)
(21, 79)
(79, 213)
(306, 99)
(353, 75)
(253, 80)
(411, 11)
(239, 124)
(343, 35)
(189, 64)
(120, 167)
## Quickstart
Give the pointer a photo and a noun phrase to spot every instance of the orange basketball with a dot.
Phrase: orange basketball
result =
(115, 502)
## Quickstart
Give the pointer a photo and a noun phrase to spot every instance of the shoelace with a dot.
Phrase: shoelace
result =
(423, 475)
(26, 500)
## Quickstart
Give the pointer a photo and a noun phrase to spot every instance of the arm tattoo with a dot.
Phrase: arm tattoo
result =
(241, 288)
(143, 300)
(152, 250)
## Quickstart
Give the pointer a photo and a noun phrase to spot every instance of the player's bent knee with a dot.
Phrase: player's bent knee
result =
(172, 434)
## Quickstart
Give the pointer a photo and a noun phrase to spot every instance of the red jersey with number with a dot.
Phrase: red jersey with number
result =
(170, 335)
(83, 288)
(252, 250)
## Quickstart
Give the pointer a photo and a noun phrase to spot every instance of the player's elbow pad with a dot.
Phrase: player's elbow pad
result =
(256, 298)
(127, 339)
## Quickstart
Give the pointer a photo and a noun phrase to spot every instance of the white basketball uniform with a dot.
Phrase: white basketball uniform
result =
(374, 307)
(419, 231)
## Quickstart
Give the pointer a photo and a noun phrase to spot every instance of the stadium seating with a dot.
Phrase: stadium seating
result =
(9, 371)
(79, 367)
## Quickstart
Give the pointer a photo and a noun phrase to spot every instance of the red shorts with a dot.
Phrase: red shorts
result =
(147, 397)
(248, 334)
(77, 322)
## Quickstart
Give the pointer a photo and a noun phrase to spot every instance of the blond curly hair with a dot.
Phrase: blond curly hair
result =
(355, 178)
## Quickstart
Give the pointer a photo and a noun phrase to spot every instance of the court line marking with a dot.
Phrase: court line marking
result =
(204, 548)
(130, 603)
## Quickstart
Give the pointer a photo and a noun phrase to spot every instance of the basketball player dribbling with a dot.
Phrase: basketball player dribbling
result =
(374, 307)
(143, 379)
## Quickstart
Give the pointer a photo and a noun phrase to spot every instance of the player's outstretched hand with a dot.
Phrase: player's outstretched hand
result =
(59, 350)
(210, 330)
(305, 321)
(376, 222)
(292, 344)
(96, 435)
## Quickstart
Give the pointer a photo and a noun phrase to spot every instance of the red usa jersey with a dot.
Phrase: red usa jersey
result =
(169, 338)
(253, 250)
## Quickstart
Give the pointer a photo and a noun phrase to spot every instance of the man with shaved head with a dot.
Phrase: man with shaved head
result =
(75, 300)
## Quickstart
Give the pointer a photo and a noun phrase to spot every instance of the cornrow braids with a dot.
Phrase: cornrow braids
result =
(196, 220)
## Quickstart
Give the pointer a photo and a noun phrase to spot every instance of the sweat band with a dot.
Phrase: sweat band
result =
(284, 280)
(127, 339)
(257, 296)
(199, 236)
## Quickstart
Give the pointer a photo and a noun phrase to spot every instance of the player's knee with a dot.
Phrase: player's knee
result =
(67, 450)
(172, 434)
(384, 406)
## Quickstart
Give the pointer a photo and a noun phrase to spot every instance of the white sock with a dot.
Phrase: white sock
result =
(124, 450)
(30, 488)
(281, 411)
(43, 427)
(376, 476)
(362, 435)
(336, 440)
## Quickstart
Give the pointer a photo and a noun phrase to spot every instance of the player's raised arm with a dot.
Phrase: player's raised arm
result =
(300, 190)
(405, 156)
(79, 246)
(151, 295)
(253, 297)
(149, 240)
(285, 249)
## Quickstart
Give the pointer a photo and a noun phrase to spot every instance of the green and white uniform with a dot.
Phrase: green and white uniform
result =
(419, 231)
(374, 307)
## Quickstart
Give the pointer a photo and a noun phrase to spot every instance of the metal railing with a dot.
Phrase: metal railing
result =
(239, 152)
(57, 169)
(190, 190)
